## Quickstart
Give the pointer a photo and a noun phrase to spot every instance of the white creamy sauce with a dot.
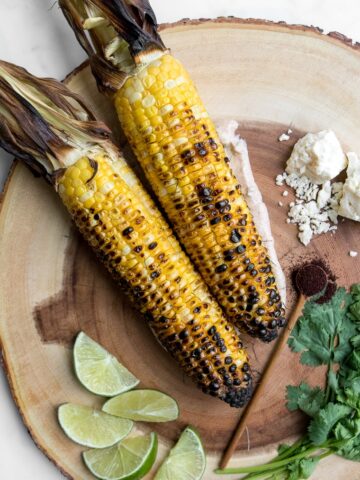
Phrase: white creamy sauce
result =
(237, 152)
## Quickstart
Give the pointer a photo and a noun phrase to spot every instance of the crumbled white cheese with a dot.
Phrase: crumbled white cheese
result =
(350, 201)
(284, 137)
(285, 193)
(352, 253)
(324, 195)
(304, 189)
(280, 204)
(317, 156)
(280, 179)
(315, 209)
(305, 234)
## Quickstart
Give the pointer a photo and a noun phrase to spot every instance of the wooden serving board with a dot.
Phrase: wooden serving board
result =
(267, 76)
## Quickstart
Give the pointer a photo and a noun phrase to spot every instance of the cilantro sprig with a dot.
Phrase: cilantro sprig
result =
(327, 334)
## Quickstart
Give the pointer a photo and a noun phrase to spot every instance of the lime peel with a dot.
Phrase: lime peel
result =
(130, 459)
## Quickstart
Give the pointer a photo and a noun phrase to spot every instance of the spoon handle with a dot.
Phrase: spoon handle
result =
(262, 384)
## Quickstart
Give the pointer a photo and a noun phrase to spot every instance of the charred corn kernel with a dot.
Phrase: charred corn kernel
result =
(145, 259)
(202, 197)
(121, 223)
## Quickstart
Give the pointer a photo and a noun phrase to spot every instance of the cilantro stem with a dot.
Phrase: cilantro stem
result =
(280, 463)
(327, 391)
(270, 466)
(329, 369)
(285, 454)
(267, 475)
(326, 454)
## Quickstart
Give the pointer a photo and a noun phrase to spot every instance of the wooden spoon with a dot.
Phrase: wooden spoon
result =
(307, 286)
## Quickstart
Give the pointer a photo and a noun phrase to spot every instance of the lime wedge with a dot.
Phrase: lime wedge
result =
(130, 459)
(143, 406)
(98, 370)
(92, 428)
(186, 460)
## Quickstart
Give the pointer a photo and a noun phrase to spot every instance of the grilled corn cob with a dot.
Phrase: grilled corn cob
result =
(50, 128)
(177, 146)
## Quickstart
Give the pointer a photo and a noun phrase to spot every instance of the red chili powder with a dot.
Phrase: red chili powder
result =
(311, 280)
(328, 294)
(312, 284)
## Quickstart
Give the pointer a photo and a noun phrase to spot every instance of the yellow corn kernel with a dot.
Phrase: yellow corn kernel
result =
(156, 120)
(153, 71)
(193, 173)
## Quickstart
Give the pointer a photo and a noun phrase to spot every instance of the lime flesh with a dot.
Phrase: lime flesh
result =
(99, 371)
(186, 461)
(130, 459)
(143, 406)
(92, 428)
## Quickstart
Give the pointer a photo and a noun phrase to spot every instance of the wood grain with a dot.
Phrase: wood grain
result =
(51, 287)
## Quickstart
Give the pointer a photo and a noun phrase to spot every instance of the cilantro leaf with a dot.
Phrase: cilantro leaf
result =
(355, 311)
(347, 330)
(325, 420)
(314, 348)
(309, 400)
(355, 307)
(283, 447)
(355, 341)
(314, 359)
(351, 450)
(355, 291)
(302, 469)
(315, 332)
(354, 360)
(349, 429)
(293, 470)
(293, 395)
(350, 397)
(326, 334)
(307, 466)
(347, 375)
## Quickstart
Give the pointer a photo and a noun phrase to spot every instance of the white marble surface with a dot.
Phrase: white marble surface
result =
(34, 34)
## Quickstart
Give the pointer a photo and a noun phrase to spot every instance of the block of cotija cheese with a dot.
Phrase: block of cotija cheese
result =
(317, 156)
(350, 200)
